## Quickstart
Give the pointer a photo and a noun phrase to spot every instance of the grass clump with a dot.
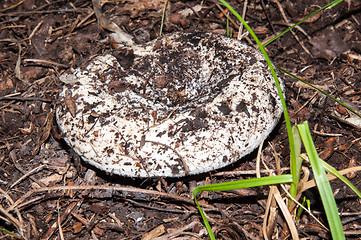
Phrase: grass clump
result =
(298, 135)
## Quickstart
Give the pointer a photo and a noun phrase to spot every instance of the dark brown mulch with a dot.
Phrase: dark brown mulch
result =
(56, 36)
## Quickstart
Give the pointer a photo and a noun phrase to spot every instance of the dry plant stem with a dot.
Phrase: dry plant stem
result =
(58, 11)
(105, 187)
(18, 223)
(264, 41)
(270, 215)
(84, 20)
(158, 209)
(34, 231)
(240, 29)
(9, 217)
(258, 160)
(119, 223)
(20, 169)
(12, 7)
(327, 134)
(306, 175)
(277, 160)
(10, 27)
(47, 63)
(267, 16)
(311, 183)
(56, 224)
(61, 234)
(299, 204)
(225, 14)
(81, 219)
(23, 99)
(31, 172)
(7, 105)
(18, 62)
(33, 32)
(304, 105)
(287, 215)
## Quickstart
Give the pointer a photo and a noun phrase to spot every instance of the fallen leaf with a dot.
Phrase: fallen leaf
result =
(328, 148)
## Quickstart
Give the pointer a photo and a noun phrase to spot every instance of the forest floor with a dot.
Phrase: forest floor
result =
(48, 192)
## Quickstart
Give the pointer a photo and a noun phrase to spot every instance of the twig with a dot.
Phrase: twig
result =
(12, 7)
(33, 32)
(157, 209)
(105, 187)
(225, 14)
(20, 169)
(46, 63)
(58, 11)
(18, 223)
(24, 99)
(61, 218)
(35, 170)
(240, 30)
(18, 62)
(268, 19)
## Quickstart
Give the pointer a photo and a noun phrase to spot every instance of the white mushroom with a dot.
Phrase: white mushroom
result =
(183, 104)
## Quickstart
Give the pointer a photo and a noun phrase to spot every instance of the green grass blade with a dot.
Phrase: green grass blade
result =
(330, 5)
(297, 144)
(227, 186)
(293, 163)
(7, 231)
(246, 183)
(163, 17)
(321, 91)
(334, 172)
(323, 185)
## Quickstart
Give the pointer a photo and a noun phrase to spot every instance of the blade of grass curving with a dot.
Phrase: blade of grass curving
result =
(297, 144)
(323, 185)
(246, 183)
(163, 17)
(321, 91)
(330, 5)
(227, 186)
(334, 172)
(7, 231)
(293, 164)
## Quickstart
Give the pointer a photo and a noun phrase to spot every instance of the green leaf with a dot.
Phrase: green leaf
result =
(227, 186)
(323, 185)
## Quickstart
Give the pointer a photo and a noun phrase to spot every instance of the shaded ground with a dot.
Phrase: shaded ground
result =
(58, 36)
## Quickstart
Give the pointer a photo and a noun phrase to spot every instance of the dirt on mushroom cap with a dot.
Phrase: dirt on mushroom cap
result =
(183, 104)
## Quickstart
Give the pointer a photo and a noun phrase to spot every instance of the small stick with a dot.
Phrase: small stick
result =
(102, 187)
(59, 11)
(45, 62)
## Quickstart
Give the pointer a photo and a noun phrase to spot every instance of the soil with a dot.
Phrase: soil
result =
(44, 183)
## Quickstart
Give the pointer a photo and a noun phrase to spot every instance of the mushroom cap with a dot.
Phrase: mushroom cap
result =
(186, 103)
